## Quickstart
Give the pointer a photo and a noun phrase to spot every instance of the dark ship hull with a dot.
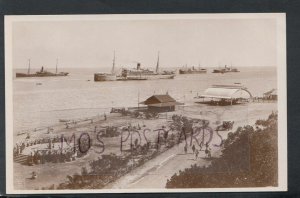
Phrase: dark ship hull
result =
(202, 71)
(147, 77)
(219, 71)
(225, 70)
(144, 74)
(104, 77)
(41, 74)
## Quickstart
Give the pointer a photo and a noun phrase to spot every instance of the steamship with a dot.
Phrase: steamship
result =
(41, 73)
(145, 74)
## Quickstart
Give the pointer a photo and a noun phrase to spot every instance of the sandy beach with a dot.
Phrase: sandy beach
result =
(162, 166)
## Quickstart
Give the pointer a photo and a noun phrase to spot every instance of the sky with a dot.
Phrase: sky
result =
(208, 42)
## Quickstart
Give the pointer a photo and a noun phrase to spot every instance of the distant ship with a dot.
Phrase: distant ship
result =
(192, 70)
(225, 70)
(41, 73)
(106, 76)
(145, 74)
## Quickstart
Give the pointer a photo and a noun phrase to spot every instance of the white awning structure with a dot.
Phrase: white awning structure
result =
(226, 93)
(271, 92)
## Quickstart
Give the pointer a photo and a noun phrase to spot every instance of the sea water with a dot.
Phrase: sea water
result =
(42, 101)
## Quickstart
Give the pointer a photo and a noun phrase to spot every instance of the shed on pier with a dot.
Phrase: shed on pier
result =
(271, 95)
(225, 95)
(161, 103)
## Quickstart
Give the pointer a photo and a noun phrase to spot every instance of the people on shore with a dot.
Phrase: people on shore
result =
(196, 154)
(193, 148)
(208, 151)
(33, 175)
(54, 156)
(49, 154)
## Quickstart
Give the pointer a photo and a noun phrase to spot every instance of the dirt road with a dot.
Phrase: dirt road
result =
(154, 173)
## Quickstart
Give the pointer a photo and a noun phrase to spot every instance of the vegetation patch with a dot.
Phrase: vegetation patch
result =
(249, 159)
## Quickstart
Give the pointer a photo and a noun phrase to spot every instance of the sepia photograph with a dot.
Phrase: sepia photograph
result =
(145, 103)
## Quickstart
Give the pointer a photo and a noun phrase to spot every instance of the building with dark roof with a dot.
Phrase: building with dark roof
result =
(161, 103)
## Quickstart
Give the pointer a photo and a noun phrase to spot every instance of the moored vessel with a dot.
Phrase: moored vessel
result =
(145, 74)
(192, 70)
(42, 72)
(225, 70)
(107, 76)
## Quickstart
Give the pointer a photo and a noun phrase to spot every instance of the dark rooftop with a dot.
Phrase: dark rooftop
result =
(155, 99)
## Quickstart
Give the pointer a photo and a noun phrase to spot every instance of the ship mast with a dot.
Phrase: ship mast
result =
(157, 65)
(56, 65)
(113, 67)
(28, 66)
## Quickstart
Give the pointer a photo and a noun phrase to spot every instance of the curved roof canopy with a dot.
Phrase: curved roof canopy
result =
(226, 93)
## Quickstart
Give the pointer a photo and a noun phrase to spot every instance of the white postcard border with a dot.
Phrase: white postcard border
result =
(281, 84)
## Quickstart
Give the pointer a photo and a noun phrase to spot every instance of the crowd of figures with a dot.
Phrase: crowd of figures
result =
(197, 151)
(140, 113)
(47, 152)
(19, 147)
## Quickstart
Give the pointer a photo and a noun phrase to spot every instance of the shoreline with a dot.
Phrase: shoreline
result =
(248, 115)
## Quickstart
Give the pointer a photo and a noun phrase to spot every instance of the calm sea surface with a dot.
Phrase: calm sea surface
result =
(78, 96)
